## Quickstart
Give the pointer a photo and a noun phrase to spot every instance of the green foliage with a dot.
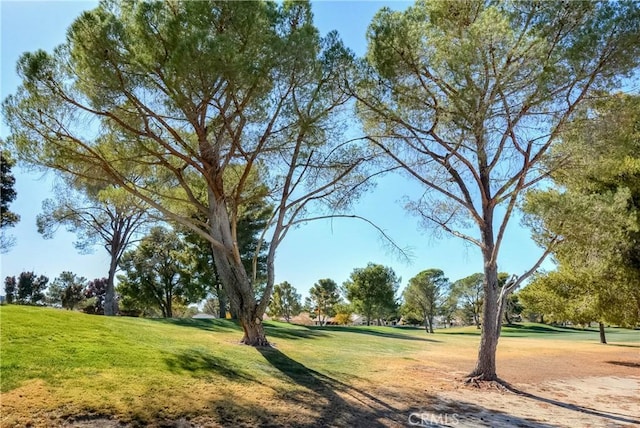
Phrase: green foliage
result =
(67, 290)
(344, 312)
(7, 195)
(469, 294)
(372, 291)
(156, 274)
(285, 302)
(323, 297)
(425, 295)
(95, 294)
(29, 288)
(592, 218)
(10, 288)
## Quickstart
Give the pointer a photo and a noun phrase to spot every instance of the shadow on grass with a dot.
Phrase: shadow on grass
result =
(292, 332)
(615, 417)
(518, 330)
(215, 325)
(374, 332)
(363, 408)
(202, 364)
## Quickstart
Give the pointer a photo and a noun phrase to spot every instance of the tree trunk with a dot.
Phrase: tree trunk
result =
(222, 302)
(486, 365)
(233, 275)
(603, 338)
(110, 302)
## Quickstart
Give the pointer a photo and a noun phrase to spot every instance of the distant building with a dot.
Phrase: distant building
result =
(203, 316)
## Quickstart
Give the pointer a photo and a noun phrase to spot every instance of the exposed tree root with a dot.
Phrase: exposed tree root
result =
(260, 343)
(481, 382)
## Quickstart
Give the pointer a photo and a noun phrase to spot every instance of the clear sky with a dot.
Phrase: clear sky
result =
(329, 249)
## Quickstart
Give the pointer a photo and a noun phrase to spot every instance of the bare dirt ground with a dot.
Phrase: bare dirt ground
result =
(549, 384)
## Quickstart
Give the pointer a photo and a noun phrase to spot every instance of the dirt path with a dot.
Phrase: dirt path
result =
(550, 384)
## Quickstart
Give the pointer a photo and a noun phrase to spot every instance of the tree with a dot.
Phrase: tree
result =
(182, 93)
(469, 294)
(67, 290)
(372, 291)
(156, 273)
(96, 293)
(322, 299)
(7, 195)
(594, 214)
(285, 302)
(96, 214)
(513, 309)
(343, 313)
(424, 295)
(468, 98)
(54, 294)
(30, 288)
(10, 288)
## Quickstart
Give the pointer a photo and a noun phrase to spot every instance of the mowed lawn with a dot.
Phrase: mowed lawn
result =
(67, 367)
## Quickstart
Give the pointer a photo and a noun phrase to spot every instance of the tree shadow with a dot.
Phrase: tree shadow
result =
(541, 329)
(215, 325)
(293, 332)
(202, 364)
(625, 364)
(617, 417)
(374, 332)
(362, 409)
(623, 345)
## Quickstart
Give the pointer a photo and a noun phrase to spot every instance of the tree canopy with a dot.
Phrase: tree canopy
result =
(7, 195)
(594, 214)
(425, 294)
(372, 291)
(323, 297)
(157, 274)
(285, 302)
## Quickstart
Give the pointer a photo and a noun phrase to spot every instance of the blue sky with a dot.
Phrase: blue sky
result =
(327, 249)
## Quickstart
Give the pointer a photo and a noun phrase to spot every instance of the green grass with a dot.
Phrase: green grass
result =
(543, 331)
(148, 369)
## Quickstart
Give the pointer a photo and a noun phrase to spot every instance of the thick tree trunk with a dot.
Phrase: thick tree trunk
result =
(233, 275)
(486, 365)
(603, 338)
(110, 302)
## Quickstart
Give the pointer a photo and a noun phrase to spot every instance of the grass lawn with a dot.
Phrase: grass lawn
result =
(59, 366)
